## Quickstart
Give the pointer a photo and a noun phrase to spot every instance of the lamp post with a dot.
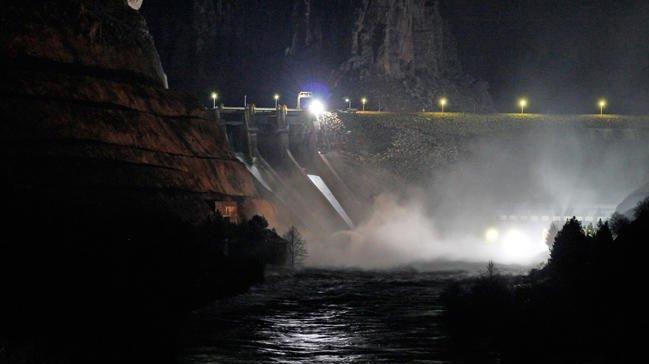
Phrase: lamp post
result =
(522, 103)
(214, 97)
(364, 101)
(602, 105)
(276, 98)
(349, 102)
(442, 103)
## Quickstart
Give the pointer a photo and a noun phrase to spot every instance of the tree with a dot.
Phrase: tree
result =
(570, 250)
(552, 233)
(296, 246)
(618, 222)
(642, 209)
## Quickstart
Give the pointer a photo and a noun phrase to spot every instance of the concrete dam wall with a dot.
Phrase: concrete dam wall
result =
(280, 149)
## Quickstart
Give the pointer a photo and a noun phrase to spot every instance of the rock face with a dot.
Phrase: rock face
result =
(404, 55)
(86, 120)
(398, 53)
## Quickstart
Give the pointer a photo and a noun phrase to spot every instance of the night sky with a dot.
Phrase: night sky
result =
(563, 55)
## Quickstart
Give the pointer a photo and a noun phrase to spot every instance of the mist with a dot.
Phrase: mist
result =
(496, 201)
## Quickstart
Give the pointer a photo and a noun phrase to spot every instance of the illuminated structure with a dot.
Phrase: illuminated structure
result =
(302, 95)
(349, 102)
(276, 98)
(364, 101)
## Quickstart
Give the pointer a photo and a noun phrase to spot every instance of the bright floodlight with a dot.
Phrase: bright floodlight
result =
(364, 101)
(518, 247)
(442, 102)
(602, 105)
(491, 235)
(522, 103)
(316, 107)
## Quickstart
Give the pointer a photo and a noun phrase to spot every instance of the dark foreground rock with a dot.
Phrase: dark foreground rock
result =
(87, 119)
(110, 186)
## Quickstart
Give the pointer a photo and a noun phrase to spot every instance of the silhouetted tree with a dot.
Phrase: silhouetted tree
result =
(258, 222)
(552, 233)
(583, 304)
(567, 253)
(296, 246)
(492, 271)
(642, 209)
(617, 222)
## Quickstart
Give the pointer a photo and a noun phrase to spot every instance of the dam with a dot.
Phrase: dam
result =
(279, 147)
(515, 160)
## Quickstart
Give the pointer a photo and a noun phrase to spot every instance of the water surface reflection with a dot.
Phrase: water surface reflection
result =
(319, 316)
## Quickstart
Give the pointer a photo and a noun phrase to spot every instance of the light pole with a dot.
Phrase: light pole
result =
(522, 103)
(276, 97)
(602, 105)
(364, 101)
(214, 97)
(349, 102)
(442, 103)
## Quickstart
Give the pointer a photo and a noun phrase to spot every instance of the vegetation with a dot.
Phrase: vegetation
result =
(579, 307)
(296, 247)
(88, 285)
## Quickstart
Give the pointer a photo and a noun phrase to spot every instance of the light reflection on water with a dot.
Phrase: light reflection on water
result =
(318, 316)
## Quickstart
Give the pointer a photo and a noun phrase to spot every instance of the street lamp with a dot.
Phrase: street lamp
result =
(214, 97)
(442, 102)
(602, 105)
(349, 102)
(522, 103)
(276, 98)
(364, 101)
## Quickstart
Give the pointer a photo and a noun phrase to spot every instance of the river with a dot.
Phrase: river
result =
(324, 316)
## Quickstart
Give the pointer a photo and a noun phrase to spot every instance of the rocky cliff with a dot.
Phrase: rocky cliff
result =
(400, 54)
(86, 120)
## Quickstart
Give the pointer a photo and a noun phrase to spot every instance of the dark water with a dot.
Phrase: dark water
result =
(320, 316)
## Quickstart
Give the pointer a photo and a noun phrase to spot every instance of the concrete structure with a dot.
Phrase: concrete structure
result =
(279, 146)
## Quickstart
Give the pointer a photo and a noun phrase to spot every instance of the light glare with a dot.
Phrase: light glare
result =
(518, 247)
(491, 235)
(316, 107)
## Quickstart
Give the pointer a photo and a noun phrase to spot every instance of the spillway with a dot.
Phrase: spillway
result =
(252, 168)
(326, 192)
